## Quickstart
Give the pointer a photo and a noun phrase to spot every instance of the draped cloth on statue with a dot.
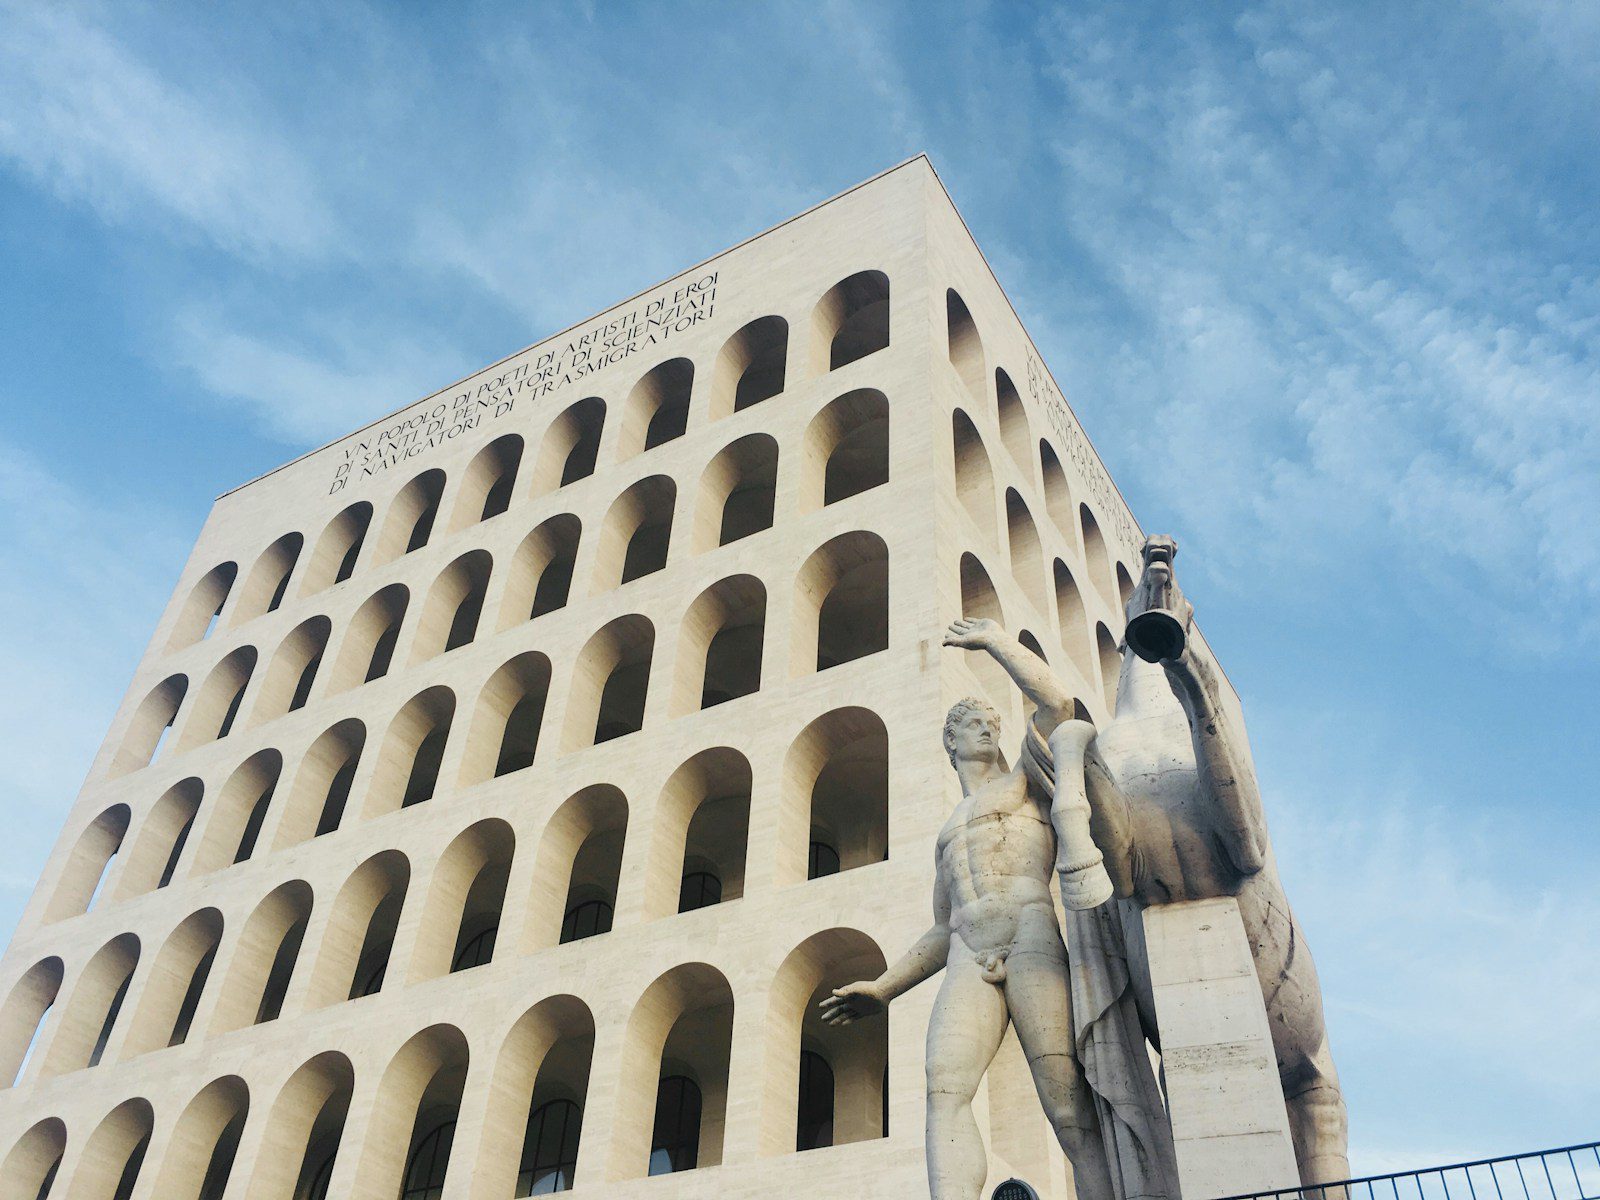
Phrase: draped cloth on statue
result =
(1109, 1040)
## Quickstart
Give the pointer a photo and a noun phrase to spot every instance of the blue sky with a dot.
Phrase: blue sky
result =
(1323, 283)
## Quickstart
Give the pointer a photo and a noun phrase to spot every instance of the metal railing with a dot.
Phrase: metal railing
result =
(1565, 1173)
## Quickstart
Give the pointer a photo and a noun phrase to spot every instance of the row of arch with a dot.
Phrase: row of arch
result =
(840, 613)
(832, 817)
(850, 322)
(846, 443)
(975, 481)
(524, 1111)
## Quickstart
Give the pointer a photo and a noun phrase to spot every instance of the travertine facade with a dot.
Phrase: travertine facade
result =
(644, 616)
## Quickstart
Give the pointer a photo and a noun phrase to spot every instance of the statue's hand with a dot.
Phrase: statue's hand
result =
(852, 1002)
(973, 633)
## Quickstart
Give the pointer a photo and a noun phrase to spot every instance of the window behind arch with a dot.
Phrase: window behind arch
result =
(675, 1141)
(476, 950)
(700, 889)
(550, 1149)
(319, 1183)
(814, 1114)
(821, 859)
(424, 1178)
(585, 920)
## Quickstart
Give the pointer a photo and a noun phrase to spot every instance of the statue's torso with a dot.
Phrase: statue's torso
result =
(996, 854)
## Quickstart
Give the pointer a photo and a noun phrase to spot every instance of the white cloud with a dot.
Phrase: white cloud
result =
(86, 118)
(1340, 347)
(307, 394)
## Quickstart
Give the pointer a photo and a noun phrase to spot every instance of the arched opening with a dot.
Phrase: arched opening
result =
(114, 1154)
(407, 768)
(846, 449)
(489, 482)
(1057, 495)
(369, 643)
(750, 367)
(353, 958)
(91, 1012)
(1124, 587)
(300, 1141)
(610, 683)
(966, 347)
(414, 1114)
(841, 603)
(286, 685)
(1032, 644)
(532, 1127)
(333, 558)
(702, 830)
(461, 917)
(453, 607)
(579, 864)
(850, 322)
(1014, 431)
(504, 736)
(1096, 555)
(171, 996)
(268, 581)
(264, 960)
(541, 572)
(974, 477)
(153, 858)
(148, 728)
(719, 645)
(1027, 555)
(200, 1154)
(89, 865)
(1073, 622)
(673, 1086)
(657, 409)
(636, 533)
(321, 789)
(1110, 663)
(200, 611)
(980, 600)
(29, 1171)
(737, 492)
(240, 810)
(835, 813)
(409, 522)
(216, 705)
(823, 1084)
(571, 446)
(22, 1018)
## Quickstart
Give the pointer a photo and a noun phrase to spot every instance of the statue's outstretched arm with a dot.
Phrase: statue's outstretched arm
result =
(925, 959)
(1028, 671)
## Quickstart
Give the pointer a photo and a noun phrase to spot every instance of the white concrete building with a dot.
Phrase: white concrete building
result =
(505, 782)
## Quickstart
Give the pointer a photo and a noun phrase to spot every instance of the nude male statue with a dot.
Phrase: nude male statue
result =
(996, 938)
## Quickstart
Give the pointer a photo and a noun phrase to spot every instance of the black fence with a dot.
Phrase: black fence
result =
(1566, 1173)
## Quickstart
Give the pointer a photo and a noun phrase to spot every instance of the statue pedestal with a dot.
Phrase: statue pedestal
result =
(1229, 1125)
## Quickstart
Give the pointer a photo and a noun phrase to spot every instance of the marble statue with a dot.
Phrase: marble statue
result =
(996, 937)
(1175, 809)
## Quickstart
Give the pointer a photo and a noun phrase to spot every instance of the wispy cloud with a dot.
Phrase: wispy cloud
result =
(1339, 343)
(310, 391)
(84, 116)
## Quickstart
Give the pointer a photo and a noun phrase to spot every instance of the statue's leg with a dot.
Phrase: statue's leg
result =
(964, 1032)
(1039, 996)
(1317, 1118)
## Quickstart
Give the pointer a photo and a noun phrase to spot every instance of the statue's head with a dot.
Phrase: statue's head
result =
(972, 732)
